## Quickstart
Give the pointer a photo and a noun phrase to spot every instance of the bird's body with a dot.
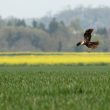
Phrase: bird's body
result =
(87, 40)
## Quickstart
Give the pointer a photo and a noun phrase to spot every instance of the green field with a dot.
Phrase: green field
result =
(55, 87)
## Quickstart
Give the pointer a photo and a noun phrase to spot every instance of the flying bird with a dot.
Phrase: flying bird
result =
(87, 40)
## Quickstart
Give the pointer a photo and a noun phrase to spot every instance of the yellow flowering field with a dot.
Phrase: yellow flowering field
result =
(53, 58)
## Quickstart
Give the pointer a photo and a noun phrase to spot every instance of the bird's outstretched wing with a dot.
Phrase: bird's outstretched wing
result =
(87, 34)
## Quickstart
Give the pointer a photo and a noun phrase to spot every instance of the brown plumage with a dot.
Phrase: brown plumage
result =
(87, 40)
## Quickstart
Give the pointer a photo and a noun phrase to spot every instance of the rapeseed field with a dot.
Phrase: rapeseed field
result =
(32, 58)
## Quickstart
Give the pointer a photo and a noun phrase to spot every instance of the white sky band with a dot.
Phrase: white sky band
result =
(39, 8)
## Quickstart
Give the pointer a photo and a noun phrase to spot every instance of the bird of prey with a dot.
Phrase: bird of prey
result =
(87, 40)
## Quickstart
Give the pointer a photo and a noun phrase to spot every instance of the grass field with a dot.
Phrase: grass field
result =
(55, 87)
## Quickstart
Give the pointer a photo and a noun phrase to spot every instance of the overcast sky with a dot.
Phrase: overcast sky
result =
(39, 8)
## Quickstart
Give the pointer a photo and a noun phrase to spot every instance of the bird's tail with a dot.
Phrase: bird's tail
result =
(96, 43)
(79, 43)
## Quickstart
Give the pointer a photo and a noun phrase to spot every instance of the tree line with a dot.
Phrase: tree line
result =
(20, 35)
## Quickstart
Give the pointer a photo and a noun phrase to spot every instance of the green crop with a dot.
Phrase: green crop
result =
(55, 87)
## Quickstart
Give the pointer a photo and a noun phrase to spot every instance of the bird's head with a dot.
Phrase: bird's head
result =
(91, 29)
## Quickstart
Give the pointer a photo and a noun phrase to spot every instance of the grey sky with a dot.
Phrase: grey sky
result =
(39, 8)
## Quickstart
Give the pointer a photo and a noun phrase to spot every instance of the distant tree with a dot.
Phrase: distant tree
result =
(102, 31)
(23, 23)
(78, 49)
(42, 26)
(61, 26)
(62, 23)
(106, 49)
(20, 23)
(34, 24)
(64, 29)
(9, 23)
(12, 21)
(76, 25)
(59, 46)
(53, 26)
(35, 40)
